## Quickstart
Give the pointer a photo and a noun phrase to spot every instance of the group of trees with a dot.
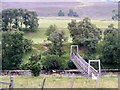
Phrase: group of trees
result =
(19, 19)
(71, 13)
(85, 34)
(54, 59)
(14, 44)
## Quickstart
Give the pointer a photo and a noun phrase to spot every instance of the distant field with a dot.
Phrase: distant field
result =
(55, 81)
(95, 10)
(61, 23)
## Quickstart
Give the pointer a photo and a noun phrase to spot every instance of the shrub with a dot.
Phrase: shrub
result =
(34, 64)
(51, 62)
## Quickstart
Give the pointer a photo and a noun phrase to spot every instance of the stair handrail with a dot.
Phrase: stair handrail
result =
(75, 57)
(87, 63)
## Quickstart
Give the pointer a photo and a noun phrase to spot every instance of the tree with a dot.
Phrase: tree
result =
(85, 34)
(13, 48)
(61, 13)
(111, 46)
(51, 29)
(116, 15)
(57, 39)
(70, 12)
(75, 14)
(19, 19)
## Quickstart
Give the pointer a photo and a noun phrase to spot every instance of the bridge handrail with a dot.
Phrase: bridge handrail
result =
(87, 63)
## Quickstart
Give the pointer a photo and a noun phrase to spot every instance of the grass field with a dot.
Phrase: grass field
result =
(61, 23)
(55, 81)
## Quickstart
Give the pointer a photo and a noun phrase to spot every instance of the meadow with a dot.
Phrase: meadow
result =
(61, 23)
(56, 81)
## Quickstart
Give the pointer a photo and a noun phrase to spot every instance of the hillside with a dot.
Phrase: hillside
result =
(94, 10)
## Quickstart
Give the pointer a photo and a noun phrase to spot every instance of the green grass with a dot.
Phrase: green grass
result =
(63, 23)
(40, 36)
(56, 81)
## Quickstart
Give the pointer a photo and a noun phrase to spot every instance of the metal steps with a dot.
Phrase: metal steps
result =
(82, 66)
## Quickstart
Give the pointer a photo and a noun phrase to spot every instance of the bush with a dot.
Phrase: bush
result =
(34, 64)
(51, 62)
(51, 29)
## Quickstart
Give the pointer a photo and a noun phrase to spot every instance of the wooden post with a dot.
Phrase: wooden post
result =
(97, 81)
(43, 82)
(72, 82)
(119, 80)
(11, 82)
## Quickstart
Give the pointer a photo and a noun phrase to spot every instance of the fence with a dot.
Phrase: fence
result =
(11, 83)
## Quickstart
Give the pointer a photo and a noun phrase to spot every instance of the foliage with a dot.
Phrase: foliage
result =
(72, 13)
(34, 64)
(111, 46)
(27, 45)
(57, 39)
(85, 34)
(19, 19)
(13, 48)
(51, 29)
(52, 62)
(61, 13)
(71, 65)
(116, 15)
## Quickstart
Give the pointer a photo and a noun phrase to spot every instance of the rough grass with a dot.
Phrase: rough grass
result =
(56, 81)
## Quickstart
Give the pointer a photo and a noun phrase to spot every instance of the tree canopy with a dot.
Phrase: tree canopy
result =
(61, 13)
(86, 34)
(19, 19)
(14, 45)
(72, 13)
(57, 39)
(111, 46)
(83, 32)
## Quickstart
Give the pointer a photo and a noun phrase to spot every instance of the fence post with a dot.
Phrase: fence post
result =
(11, 82)
(97, 81)
(119, 80)
(43, 82)
(72, 82)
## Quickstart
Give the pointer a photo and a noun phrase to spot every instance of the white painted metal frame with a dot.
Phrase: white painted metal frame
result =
(98, 61)
(71, 49)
